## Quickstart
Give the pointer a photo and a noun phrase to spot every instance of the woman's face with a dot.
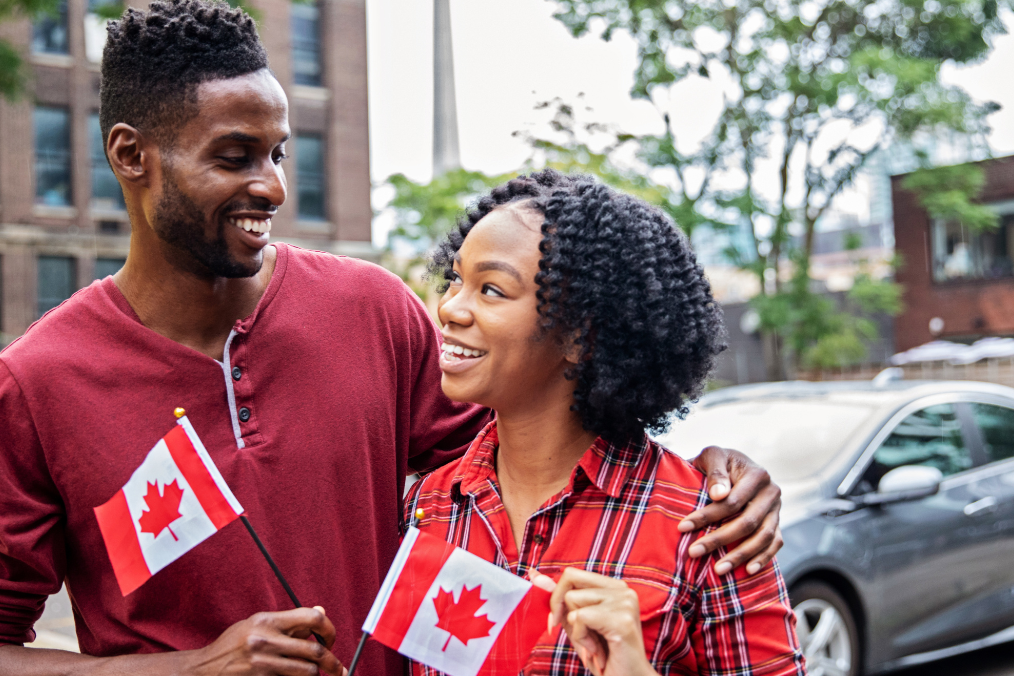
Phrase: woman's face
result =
(494, 352)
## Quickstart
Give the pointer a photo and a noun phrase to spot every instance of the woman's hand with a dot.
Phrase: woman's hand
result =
(602, 618)
(742, 489)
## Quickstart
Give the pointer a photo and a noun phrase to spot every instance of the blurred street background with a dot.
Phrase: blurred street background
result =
(844, 169)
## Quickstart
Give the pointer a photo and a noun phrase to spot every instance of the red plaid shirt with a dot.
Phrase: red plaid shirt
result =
(618, 517)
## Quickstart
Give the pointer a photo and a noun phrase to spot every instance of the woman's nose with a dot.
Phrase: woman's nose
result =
(455, 308)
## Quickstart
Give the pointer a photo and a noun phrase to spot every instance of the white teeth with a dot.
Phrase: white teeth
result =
(252, 224)
(457, 351)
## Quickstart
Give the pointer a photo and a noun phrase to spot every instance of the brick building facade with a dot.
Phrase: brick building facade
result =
(959, 285)
(62, 221)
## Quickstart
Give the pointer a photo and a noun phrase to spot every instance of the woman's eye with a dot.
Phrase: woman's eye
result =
(453, 277)
(492, 291)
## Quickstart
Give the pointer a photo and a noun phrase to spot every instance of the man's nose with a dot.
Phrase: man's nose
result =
(269, 184)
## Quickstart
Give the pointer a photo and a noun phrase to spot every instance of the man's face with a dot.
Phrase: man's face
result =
(222, 180)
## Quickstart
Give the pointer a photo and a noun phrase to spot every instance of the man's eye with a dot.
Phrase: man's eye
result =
(492, 291)
(235, 159)
(278, 158)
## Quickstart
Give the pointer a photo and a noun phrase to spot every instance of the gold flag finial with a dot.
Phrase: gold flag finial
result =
(179, 412)
(419, 513)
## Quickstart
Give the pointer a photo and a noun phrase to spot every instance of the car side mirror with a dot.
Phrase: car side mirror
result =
(908, 482)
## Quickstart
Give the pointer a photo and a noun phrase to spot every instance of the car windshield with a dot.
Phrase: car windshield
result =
(792, 439)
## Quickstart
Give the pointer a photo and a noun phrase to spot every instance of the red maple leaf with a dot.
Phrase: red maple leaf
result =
(459, 618)
(162, 509)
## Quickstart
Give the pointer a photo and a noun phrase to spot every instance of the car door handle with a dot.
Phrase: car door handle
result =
(973, 508)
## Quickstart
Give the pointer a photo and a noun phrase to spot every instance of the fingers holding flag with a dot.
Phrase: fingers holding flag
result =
(272, 643)
(601, 616)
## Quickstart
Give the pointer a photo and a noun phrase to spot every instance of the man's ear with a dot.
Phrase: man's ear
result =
(131, 154)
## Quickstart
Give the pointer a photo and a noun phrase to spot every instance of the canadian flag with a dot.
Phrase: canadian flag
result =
(455, 612)
(173, 502)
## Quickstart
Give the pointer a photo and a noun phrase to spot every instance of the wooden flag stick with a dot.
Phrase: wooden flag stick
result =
(278, 572)
(359, 651)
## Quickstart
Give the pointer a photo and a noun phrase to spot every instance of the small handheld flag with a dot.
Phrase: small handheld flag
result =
(454, 612)
(174, 501)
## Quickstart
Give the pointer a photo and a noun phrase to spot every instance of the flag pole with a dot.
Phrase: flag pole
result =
(278, 572)
(359, 651)
(179, 412)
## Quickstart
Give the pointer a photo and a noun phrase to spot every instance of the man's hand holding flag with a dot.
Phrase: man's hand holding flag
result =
(175, 500)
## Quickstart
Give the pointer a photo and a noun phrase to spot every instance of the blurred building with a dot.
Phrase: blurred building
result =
(62, 218)
(959, 284)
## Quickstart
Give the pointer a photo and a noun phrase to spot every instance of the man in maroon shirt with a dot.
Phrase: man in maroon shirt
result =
(312, 380)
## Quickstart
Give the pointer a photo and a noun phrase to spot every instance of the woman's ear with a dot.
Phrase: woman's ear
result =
(571, 347)
(129, 154)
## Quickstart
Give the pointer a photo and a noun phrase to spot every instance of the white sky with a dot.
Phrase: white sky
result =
(510, 55)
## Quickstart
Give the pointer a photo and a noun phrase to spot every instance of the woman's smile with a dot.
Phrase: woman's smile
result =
(455, 358)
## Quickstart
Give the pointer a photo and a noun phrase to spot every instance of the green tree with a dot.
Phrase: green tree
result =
(12, 70)
(425, 212)
(816, 87)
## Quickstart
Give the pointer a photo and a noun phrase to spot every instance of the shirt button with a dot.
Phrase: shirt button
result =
(236, 373)
(244, 414)
(538, 539)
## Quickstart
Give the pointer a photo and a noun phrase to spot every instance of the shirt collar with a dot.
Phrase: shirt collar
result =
(606, 465)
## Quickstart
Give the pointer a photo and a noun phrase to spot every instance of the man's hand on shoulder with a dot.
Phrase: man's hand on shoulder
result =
(265, 644)
(742, 489)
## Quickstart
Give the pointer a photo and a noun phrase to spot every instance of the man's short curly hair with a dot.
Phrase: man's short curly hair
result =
(154, 61)
(616, 273)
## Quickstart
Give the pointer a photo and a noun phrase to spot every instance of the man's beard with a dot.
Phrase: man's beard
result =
(179, 223)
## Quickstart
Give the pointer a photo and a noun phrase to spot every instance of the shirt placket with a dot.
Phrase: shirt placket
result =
(538, 533)
(239, 389)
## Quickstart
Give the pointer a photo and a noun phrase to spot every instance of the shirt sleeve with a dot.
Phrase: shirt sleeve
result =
(441, 429)
(745, 623)
(32, 554)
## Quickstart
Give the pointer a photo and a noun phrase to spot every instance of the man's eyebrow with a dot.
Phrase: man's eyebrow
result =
(501, 266)
(240, 137)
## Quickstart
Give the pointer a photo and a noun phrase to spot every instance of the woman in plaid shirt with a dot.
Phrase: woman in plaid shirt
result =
(581, 317)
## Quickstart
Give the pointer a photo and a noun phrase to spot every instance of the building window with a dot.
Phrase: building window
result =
(106, 193)
(959, 253)
(49, 35)
(107, 266)
(57, 276)
(305, 30)
(310, 177)
(95, 20)
(52, 156)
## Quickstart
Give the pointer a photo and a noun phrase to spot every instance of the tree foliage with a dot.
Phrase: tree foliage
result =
(949, 193)
(12, 75)
(814, 88)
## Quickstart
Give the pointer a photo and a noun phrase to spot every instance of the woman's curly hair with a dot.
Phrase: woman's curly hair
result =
(617, 274)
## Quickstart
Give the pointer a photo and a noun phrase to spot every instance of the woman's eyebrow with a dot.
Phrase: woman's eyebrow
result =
(499, 265)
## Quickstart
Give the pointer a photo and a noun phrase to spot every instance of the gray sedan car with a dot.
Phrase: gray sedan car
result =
(898, 513)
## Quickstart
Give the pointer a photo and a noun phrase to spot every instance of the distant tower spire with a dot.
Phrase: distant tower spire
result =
(445, 111)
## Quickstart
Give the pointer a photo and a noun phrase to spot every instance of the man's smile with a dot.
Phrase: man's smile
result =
(261, 226)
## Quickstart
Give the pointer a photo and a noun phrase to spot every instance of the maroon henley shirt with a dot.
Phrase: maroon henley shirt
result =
(328, 394)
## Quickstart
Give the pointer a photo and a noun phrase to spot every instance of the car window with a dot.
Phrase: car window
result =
(997, 426)
(930, 437)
